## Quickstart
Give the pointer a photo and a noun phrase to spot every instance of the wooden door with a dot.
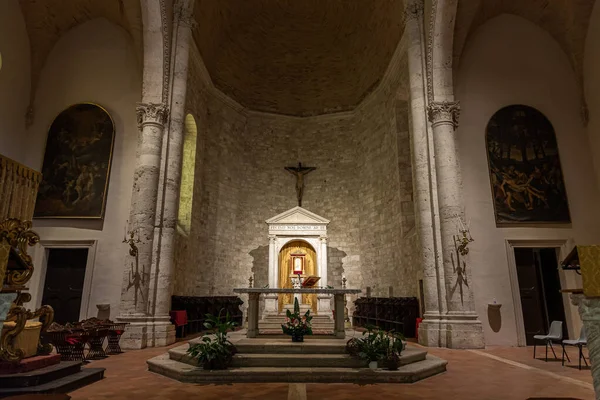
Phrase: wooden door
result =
(535, 317)
(63, 286)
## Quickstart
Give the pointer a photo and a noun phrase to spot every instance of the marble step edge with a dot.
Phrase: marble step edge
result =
(281, 354)
(65, 384)
(409, 373)
(41, 375)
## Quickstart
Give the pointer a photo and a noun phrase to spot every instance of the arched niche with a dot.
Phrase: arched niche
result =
(188, 166)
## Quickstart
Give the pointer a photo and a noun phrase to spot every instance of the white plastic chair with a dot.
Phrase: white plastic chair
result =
(580, 342)
(554, 334)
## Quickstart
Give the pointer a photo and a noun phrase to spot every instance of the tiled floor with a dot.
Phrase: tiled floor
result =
(494, 373)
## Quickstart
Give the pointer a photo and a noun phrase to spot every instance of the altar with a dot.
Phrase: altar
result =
(339, 306)
(297, 247)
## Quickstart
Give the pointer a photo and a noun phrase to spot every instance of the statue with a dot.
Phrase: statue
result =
(299, 173)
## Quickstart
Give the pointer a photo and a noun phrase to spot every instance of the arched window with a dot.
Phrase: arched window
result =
(186, 190)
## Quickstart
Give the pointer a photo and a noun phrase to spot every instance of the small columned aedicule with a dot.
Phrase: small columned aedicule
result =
(303, 235)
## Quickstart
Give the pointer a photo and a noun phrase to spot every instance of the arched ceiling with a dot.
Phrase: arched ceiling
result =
(48, 20)
(565, 20)
(297, 57)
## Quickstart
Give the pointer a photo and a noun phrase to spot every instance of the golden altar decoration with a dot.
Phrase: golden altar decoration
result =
(290, 255)
(586, 261)
(16, 268)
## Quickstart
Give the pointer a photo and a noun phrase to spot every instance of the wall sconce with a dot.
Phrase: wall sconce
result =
(462, 240)
(133, 250)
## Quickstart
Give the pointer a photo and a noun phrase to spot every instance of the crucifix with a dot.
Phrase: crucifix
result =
(299, 173)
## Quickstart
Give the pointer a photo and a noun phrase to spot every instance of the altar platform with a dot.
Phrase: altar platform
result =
(319, 359)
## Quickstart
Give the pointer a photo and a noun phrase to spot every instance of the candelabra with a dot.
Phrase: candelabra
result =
(133, 250)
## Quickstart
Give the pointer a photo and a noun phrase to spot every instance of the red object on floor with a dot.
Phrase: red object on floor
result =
(179, 318)
(28, 364)
(419, 320)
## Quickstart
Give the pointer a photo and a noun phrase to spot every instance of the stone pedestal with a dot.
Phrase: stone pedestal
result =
(144, 331)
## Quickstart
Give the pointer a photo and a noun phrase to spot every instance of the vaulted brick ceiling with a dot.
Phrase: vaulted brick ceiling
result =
(565, 20)
(48, 20)
(297, 57)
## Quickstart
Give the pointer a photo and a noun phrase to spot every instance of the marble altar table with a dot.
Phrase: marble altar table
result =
(338, 298)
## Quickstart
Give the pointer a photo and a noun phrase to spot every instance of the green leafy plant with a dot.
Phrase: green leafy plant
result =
(215, 352)
(377, 345)
(296, 324)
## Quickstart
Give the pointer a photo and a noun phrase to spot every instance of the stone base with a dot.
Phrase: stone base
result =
(144, 331)
(452, 331)
(316, 360)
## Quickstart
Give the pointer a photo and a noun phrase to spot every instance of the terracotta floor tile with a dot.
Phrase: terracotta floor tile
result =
(470, 375)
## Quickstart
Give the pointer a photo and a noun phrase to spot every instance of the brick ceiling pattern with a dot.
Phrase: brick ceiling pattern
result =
(297, 57)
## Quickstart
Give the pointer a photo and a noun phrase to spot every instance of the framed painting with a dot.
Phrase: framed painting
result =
(76, 167)
(524, 165)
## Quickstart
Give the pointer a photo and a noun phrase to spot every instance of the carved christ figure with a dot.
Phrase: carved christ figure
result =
(299, 173)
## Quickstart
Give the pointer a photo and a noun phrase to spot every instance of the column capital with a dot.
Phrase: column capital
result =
(444, 112)
(323, 239)
(413, 9)
(152, 114)
(272, 238)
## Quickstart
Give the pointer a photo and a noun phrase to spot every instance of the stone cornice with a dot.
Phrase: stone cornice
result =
(444, 112)
(151, 114)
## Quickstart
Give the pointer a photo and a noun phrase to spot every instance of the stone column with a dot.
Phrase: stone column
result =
(423, 175)
(464, 330)
(252, 314)
(323, 299)
(164, 331)
(271, 305)
(340, 331)
(589, 311)
(136, 280)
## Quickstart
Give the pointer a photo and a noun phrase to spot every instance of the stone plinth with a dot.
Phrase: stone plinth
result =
(317, 359)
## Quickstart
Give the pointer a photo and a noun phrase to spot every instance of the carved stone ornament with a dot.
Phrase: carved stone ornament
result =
(413, 10)
(441, 112)
(151, 113)
(17, 234)
(185, 16)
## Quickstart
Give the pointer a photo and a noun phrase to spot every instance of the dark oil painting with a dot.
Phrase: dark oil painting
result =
(525, 172)
(76, 164)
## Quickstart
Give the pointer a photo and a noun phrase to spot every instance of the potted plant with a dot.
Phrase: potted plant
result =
(297, 325)
(394, 347)
(215, 352)
(377, 346)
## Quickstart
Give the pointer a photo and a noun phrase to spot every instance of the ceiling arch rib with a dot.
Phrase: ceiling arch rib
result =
(47, 21)
(565, 20)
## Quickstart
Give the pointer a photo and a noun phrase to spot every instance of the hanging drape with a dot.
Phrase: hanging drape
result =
(285, 270)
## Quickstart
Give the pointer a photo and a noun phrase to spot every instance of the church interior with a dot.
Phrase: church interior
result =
(176, 174)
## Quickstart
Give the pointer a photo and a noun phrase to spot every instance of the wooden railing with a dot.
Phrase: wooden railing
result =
(18, 190)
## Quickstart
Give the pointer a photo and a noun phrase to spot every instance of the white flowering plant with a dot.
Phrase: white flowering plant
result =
(297, 324)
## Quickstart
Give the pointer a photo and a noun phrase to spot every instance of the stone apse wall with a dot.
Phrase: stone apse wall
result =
(363, 184)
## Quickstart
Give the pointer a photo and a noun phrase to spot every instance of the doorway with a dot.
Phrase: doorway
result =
(63, 285)
(539, 289)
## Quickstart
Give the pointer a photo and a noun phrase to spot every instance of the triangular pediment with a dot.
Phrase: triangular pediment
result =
(297, 215)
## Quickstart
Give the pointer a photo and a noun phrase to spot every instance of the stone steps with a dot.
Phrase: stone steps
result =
(277, 359)
(409, 373)
(298, 360)
(63, 384)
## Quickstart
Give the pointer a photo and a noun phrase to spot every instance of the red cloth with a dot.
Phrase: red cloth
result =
(419, 320)
(179, 318)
